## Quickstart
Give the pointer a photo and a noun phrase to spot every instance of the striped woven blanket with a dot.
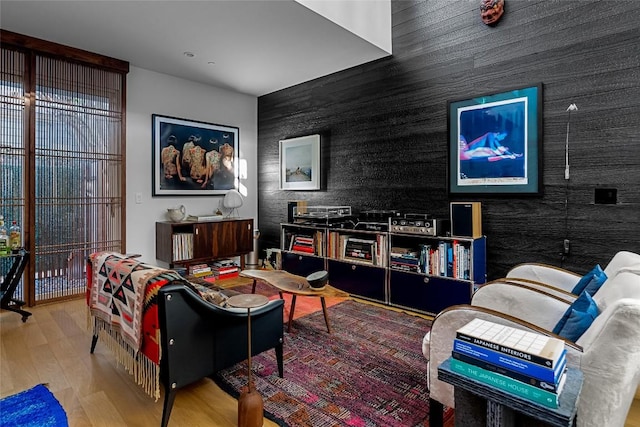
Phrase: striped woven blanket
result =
(121, 295)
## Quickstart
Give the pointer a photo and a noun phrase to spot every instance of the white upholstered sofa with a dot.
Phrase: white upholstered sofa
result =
(608, 353)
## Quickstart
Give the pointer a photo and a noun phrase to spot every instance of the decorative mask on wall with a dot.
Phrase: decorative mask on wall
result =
(491, 11)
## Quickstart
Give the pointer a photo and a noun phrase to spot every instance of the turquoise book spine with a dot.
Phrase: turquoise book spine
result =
(505, 383)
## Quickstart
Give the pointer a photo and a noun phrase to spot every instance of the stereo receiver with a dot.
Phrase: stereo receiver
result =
(427, 227)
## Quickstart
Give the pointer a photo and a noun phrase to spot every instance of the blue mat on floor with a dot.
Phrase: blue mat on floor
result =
(35, 407)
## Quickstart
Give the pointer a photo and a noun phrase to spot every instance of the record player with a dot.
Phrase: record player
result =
(329, 216)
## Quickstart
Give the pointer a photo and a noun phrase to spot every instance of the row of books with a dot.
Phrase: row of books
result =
(182, 246)
(370, 250)
(450, 259)
(526, 364)
(447, 259)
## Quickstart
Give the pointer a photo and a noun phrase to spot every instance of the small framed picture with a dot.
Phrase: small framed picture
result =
(300, 163)
(192, 158)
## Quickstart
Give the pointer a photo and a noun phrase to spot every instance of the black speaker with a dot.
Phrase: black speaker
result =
(466, 219)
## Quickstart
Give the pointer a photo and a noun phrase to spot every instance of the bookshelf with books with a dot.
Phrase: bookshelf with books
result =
(357, 262)
(366, 247)
(355, 259)
(417, 272)
(430, 273)
(303, 248)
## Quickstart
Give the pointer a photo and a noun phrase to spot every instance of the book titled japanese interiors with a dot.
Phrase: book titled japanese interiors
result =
(512, 363)
(529, 346)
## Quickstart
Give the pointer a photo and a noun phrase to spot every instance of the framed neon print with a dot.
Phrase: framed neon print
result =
(495, 143)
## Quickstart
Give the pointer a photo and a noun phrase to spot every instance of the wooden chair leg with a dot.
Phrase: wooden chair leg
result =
(291, 310)
(326, 315)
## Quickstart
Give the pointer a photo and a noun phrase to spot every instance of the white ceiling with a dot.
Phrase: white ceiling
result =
(255, 46)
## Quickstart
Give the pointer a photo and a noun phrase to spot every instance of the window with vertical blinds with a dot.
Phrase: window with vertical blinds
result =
(71, 155)
(78, 168)
(12, 145)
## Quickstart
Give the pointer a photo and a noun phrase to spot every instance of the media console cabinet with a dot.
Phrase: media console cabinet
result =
(191, 242)
(418, 272)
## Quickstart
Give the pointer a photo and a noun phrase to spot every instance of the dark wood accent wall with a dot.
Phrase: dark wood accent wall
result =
(384, 124)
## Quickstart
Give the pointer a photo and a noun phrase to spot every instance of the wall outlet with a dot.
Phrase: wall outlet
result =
(605, 196)
(138, 198)
(566, 247)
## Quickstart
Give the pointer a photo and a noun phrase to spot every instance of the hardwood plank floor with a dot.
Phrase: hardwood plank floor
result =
(53, 347)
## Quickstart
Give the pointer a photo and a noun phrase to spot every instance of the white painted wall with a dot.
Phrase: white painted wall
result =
(368, 19)
(149, 92)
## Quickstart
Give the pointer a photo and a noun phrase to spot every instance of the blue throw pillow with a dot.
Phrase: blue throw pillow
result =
(590, 282)
(578, 317)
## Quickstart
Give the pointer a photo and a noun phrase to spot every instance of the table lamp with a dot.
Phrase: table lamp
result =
(232, 200)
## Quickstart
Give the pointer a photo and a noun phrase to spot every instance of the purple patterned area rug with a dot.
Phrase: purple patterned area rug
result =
(369, 371)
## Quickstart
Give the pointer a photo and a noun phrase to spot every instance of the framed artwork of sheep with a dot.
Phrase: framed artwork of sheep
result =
(192, 158)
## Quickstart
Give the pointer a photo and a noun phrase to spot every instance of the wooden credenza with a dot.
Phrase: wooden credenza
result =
(190, 242)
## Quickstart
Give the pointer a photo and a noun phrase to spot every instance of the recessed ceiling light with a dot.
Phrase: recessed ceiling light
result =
(211, 62)
(189, 54)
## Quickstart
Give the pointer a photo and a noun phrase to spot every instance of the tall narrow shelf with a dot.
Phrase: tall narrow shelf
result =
(188, 242)
(303, 247)
(439, 271)
(357, 262)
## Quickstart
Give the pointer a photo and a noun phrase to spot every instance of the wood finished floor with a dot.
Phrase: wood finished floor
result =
(53, 347)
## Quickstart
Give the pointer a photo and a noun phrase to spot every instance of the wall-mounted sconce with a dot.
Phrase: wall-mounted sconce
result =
(571, 108)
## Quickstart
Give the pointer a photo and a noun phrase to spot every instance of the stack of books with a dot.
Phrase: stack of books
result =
(225, 268)
(526, 364)
(404, 259)
(302, 244)
(200, 218)
(200, 270)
